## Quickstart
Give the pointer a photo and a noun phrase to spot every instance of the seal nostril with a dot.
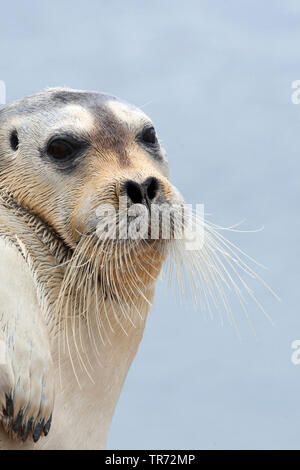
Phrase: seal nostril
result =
(152, 186)
(134, 191)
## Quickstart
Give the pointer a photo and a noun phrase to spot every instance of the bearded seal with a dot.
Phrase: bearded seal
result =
(74, 305)
(63, 153)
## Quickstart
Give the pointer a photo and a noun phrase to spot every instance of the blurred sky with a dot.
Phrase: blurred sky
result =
(215, 77)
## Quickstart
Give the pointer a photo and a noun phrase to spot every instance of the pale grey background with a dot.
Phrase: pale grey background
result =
(216, 79)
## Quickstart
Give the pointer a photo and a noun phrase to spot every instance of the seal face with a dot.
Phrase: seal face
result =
(64, 152)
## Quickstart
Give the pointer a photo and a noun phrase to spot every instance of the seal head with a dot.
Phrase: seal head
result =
(65, 152)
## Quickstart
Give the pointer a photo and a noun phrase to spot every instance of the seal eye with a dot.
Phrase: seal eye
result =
(60, 149)
(14, 141)
(149, 135)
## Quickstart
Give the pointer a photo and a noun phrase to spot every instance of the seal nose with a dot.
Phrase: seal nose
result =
(133, 190)
(140, 193)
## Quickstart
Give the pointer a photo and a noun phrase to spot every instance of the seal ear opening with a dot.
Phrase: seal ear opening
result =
(14, 141)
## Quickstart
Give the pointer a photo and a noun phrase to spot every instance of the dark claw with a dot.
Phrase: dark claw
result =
(47, 426)
(18, 422)
(26, 430)
(9, 406)
(38, 431)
